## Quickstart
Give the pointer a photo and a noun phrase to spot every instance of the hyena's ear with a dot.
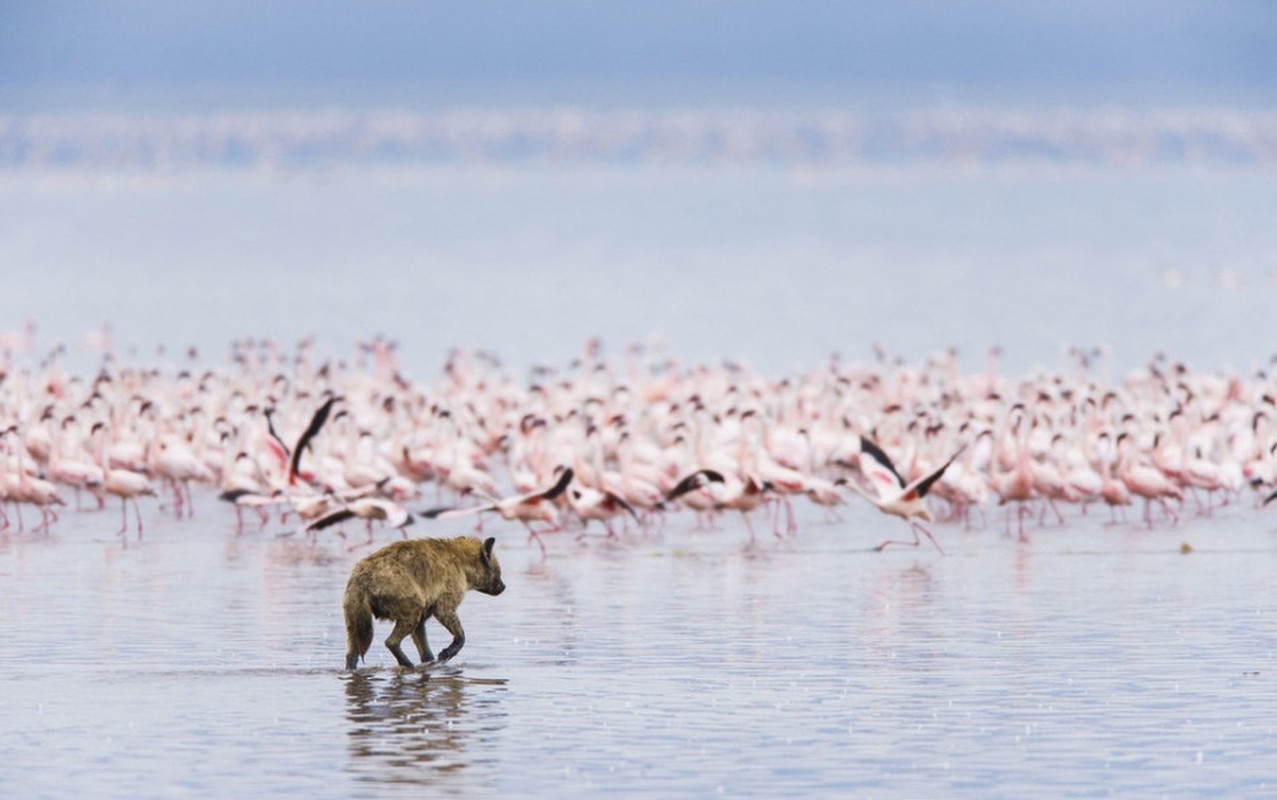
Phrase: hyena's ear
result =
(486, 552)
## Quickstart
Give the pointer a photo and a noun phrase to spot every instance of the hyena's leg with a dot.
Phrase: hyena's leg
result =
(448, 619)
(419, 639)
(401, 630)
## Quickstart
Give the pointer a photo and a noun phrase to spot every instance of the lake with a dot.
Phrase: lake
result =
(778, 268)
(1094, 659)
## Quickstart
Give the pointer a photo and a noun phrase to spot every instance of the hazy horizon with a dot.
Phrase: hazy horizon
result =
(1031, 231)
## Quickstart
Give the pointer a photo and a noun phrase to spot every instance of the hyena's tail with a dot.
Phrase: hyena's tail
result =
(357, 605)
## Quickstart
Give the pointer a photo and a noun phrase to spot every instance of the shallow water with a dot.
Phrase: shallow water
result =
(1094, 659)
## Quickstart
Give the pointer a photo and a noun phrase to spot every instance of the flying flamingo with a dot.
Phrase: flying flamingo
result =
(894, 496)
(535, 506)
(367, 509)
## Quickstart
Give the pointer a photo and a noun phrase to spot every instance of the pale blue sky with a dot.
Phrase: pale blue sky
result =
(1093, 50)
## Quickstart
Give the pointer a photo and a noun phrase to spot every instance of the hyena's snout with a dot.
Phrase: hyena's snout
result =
(493, 587)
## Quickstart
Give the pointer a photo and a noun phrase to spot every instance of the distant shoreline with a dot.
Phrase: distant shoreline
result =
(825, 138)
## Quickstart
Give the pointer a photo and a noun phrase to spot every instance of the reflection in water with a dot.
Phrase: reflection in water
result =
(420, 727)
(1087, 660)
(898, 606)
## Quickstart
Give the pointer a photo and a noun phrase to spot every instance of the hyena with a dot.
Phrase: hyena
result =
(409, 582)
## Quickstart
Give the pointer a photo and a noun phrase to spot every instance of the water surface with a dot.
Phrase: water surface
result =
(1094, 659)
(775, 267)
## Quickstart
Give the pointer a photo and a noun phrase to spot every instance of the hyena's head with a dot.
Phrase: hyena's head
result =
(488, 580)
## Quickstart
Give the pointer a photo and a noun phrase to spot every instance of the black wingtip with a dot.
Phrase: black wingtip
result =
(557, 489)
(332, 519)
(1270, 498)
(694, 481)
(925, 486)
(621, 502)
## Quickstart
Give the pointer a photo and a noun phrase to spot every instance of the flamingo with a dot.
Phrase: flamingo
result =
(73, 468)
(125, 484)
(637, 433)
(27, 488)
(369, 509)
(527, 508)
(258, 501)
(178, 464)
(744, 495)
(1016, 485)
(894, 496)
(598, 504)
(1147, 482)
(696, 480)
(693, 492)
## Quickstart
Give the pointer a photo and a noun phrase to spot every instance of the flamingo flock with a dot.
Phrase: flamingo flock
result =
(623, 444)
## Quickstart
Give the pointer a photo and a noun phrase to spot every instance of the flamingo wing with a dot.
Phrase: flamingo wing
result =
(557, 489)
(451, 512)
(330, 519)
(878, 467)
(312, 430)
(693, 482)
(923, 486)
(617, 500)
(274, 435)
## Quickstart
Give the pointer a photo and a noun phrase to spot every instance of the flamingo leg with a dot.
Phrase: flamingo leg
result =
(534, 536)
(917, 529)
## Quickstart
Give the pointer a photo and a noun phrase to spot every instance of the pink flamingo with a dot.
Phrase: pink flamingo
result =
(894, 496)
(1147, 482)
(527, 508)
(122, 483)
